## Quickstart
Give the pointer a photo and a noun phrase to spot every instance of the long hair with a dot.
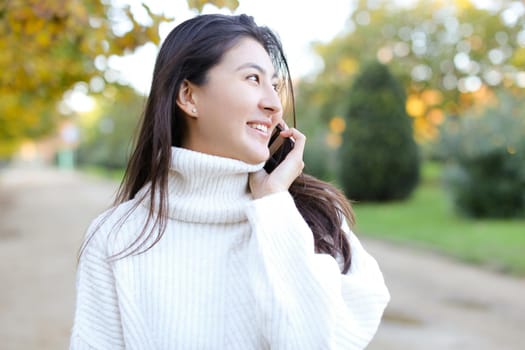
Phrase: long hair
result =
(188, 53)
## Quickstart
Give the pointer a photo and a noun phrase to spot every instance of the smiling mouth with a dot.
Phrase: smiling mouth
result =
(260, 127)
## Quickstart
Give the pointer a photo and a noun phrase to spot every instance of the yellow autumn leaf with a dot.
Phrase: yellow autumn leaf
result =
(432, 97)
(436, 116)
(348, 65)
(415, 106)
(337, 125)
(43, 39)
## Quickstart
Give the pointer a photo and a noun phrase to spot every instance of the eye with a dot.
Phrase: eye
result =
(253, 77)
(276, 86)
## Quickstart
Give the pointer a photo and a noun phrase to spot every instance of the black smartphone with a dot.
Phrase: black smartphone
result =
(279, 148)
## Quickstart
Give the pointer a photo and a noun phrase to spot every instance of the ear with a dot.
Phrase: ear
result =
(186, 99)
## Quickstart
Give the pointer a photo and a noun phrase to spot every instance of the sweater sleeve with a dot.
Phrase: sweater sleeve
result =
(303, 301)
(97, 318)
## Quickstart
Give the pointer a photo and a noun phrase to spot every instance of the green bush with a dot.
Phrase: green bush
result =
(485, 151)
(379, 157)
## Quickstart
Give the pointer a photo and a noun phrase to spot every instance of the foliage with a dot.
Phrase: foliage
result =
(318, 158)
(427, 220)
(379, 157)
(199, 4)
(49, 45)
(324, 136)
(107, 132)
(486, 155)
(449, 56)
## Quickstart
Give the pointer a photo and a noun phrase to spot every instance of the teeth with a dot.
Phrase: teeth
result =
(260, 127)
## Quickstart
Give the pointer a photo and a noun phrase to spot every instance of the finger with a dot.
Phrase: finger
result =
(298, 137)
(293, 163)
(284, 125)
(289, 169)
(292, 132)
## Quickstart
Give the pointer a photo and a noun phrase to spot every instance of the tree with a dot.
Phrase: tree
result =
(449, 55)
(49, 45)
(379, 157)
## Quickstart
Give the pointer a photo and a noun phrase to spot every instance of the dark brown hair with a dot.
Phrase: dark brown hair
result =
(188, 53)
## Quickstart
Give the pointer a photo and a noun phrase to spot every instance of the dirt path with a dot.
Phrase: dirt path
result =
(436, 303)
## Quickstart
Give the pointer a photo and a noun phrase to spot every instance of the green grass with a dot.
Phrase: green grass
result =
(427, 219)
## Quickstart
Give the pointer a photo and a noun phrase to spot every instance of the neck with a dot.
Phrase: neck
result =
(208, 189)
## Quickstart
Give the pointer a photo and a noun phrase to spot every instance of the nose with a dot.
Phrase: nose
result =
(271, 104)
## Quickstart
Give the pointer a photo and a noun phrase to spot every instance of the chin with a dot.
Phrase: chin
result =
(257, 157)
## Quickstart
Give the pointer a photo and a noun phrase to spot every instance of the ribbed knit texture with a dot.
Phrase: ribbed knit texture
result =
(229, 273)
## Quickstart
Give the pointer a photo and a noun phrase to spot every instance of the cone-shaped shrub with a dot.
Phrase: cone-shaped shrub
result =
(379, 157)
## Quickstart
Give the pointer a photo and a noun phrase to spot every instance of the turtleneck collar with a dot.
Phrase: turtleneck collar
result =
(208, 189)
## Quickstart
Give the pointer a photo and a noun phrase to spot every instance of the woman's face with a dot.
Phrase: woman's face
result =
(237, 108)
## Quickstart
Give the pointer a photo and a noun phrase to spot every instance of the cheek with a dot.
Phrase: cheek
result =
(230, 106)
(220, 103)
(218, 126)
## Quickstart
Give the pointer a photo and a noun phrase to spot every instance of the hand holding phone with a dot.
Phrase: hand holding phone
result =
(279, 148)
(266, 181)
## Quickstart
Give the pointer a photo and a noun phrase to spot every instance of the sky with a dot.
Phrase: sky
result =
(297, 22)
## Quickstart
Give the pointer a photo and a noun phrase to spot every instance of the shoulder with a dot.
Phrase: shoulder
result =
(116, 227)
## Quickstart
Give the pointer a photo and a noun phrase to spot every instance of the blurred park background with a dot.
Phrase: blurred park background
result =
(415, 109)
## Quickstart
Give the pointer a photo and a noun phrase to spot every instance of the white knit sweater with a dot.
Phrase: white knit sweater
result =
(229, 273)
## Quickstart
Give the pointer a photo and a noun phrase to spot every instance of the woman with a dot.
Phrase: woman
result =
(205, 249)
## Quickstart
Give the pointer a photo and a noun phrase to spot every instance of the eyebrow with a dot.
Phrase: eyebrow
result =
(257, 67)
